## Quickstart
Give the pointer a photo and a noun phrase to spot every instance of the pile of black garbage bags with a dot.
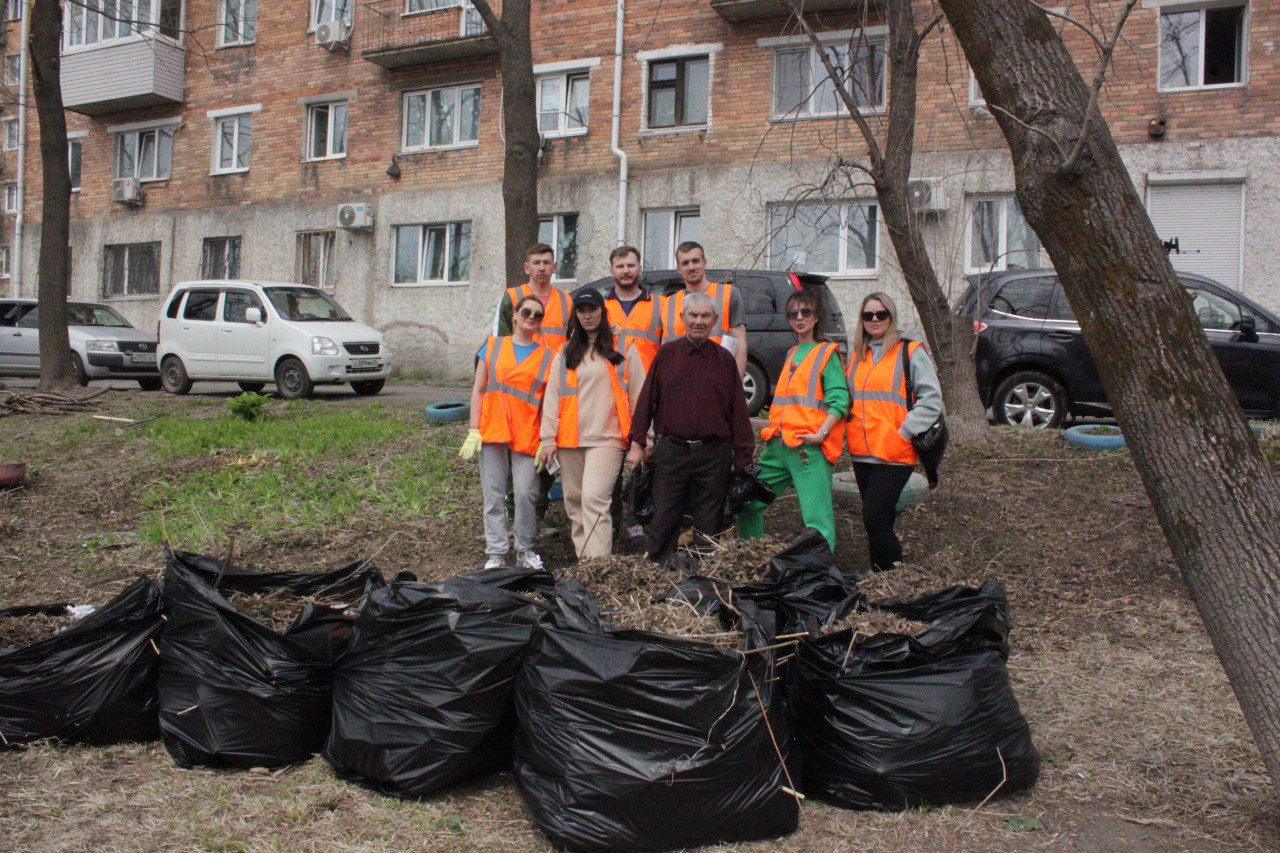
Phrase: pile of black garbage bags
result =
(618, 739)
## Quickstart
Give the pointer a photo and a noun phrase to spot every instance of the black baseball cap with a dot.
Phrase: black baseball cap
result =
(587, 295)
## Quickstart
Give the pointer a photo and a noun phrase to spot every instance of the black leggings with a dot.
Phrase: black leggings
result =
(880, 487)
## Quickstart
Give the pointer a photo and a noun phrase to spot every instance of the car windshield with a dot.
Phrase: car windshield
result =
(82, 314)
(305, 303)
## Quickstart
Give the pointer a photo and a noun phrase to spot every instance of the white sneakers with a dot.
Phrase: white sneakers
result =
(496, 561)
(529, 560)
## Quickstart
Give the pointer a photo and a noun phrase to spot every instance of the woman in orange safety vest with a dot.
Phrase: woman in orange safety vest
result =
(804, 438)
(882, 423)
(506, 401)
(586, 418)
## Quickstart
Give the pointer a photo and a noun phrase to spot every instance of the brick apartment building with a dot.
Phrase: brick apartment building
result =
(243, 135)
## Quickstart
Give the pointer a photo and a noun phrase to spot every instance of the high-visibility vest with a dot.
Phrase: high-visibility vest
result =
(555, 323)
(799, 402)
(879, 407)
(567, 430)
(673, 313)
(511, 405)
(642, 328)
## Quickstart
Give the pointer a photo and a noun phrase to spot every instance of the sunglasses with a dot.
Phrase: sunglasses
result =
(875, 315)
(797, 313)
(531, 314)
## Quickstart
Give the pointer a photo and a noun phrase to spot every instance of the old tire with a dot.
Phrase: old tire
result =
(173, 375)
(1077, 436)
(448, 412)
(1032, 399)
(368, 387)
(151, 383)
(252, 387)
(843, 485)
(755, 385)
(78, 371)
(292, 380)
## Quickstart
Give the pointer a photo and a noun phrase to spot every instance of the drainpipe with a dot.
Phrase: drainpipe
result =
(15, 273)
(617, 124)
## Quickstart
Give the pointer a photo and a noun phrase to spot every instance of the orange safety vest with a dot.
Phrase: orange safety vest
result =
(511, 406)
(567, 431)
(879, 407)
(641, 328)
(673, 325)
(798, 405)
(555, 325)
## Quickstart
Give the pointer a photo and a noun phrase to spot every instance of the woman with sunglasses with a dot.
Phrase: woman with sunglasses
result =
(506, 398)
(803, 440)
(586, 416)
(881, 425)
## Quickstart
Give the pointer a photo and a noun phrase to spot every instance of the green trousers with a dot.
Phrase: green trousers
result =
(809, 471)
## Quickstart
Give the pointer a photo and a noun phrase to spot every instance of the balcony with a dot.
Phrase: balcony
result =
(400, 33)
(737, 11)
(135, 72)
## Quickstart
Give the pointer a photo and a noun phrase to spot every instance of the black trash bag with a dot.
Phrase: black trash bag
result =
(234, 692)
(424, 697)
(632, 740)
(746, 486)
(803, 584)
(896, 722)
(638, 493)
(94, 682)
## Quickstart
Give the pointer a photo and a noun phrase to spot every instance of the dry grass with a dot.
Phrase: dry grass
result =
(674, 617)
(17, 632)
(908, 581)
(872, 623)
(731, 560)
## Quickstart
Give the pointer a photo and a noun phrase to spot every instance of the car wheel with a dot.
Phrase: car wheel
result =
(251, 387)
(77, 368)
(368, 387)
(154, 383)
(292, 380)
(1032, 399)
(755, 385)
(173, 375)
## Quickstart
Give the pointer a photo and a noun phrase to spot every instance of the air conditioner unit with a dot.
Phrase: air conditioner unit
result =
(355, 216)
(126, 190)
(333, 34)
(927, 195)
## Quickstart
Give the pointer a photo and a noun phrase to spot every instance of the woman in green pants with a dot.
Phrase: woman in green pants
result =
(803, 439)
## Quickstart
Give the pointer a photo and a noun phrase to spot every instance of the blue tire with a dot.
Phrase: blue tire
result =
(1090, 441)
(448, 412)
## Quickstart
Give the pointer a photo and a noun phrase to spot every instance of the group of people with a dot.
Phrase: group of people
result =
(589, 382)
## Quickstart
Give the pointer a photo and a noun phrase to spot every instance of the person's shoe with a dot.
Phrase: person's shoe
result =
(529, 560)
(496, 561)
(637, 536)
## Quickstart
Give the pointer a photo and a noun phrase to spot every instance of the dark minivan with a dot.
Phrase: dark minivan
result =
(769, 337)
(1034, 369)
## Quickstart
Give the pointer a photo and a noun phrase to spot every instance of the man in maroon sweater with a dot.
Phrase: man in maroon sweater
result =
(693, 399)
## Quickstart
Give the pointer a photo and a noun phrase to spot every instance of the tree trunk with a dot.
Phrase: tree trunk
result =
(53, 268)
(1214, 495)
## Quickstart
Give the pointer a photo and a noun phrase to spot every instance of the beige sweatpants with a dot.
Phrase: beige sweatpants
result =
(587, 475)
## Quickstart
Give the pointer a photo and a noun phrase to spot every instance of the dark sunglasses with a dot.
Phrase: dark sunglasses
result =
(531, 314)
(875, 315)
(797, 313)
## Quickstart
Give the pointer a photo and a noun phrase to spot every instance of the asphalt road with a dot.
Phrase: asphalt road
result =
(416, 393)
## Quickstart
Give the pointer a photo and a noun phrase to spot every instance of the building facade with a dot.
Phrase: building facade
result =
(221, 138)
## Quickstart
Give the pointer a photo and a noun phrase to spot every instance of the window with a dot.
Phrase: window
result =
(75, 151)
(802, 88)
(560, 232)
(131, 270)
(236, 303)
(976, 98)
(432, 254)
(315, 255)
(144, 154)
(13, 10)
(1214, 311)
(327, 131)
(562, 103)
(221, 258)
(999, 238)
(13, 69)
(1201, 48)
(831, 237)
(679, 92)
(9, 129)
(237, 22)
(666, 229)
(11, 198)
(232, 140)
(89, 22)
(441, 118)
(201, 305)
(1026, 297)
(330, 10)
(6, 260)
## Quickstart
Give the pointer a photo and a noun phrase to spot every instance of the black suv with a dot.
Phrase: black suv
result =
(769, 337)
(1034, 369)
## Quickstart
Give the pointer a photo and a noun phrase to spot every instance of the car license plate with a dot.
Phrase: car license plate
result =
(143, 358)
(364, 362)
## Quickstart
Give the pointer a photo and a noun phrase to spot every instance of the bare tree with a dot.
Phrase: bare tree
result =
(889, 168)
(1214, 495)
(519, 117)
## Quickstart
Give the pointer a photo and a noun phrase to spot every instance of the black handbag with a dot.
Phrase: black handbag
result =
(931, 444)
(637, 491)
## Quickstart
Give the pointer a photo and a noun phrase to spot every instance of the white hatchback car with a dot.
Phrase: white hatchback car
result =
(253, 333)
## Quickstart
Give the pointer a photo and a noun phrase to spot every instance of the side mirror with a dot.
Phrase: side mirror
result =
(1248, 329)
(253, 315)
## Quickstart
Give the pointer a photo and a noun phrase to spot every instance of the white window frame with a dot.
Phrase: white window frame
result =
(75, 138)
(230, 114)
(564, 71)
(14, 10)
(692, 51)
(13, 63)
(314, 12)
(426, 94)
(842, 237)
(310, 125)
(1002, 255)
(9, 133)
(450, 249)
(557, 232)
(229, 242)
(677, 213)
(11, 197)
(327, 242)
(872, 38)
(976, 101)
(6, 261)
(141, 29)
(164, 130)
(242, 41)
(1173, 7)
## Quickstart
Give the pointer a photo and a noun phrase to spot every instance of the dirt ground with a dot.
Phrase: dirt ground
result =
(1143, 742)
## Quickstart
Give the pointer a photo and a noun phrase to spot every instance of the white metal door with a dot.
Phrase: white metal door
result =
(1206, 220)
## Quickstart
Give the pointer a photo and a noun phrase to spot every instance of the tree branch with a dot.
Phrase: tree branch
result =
(1036, 130)
(1070, 20)
(1073, 159)
(492, 21)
